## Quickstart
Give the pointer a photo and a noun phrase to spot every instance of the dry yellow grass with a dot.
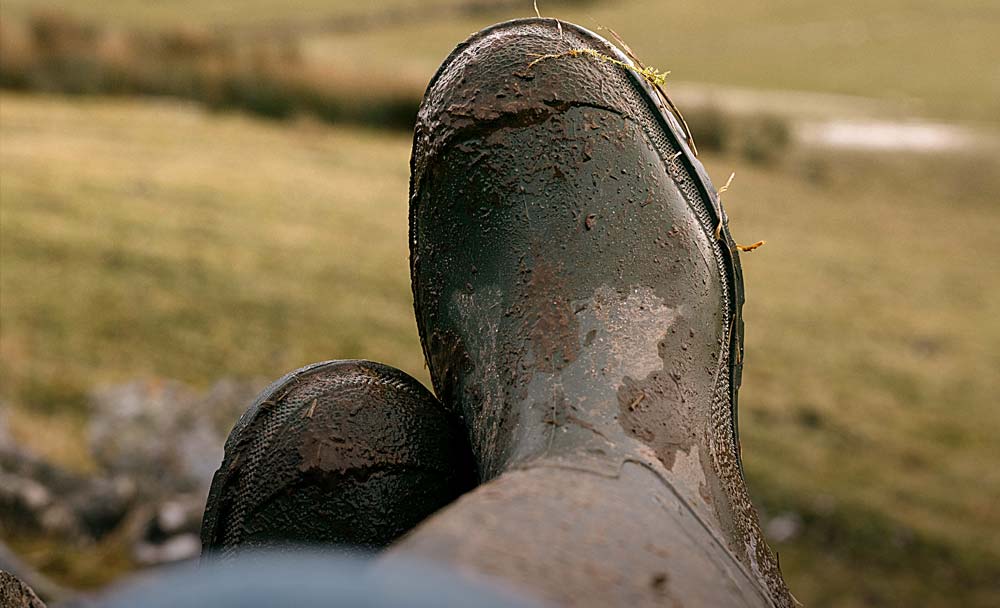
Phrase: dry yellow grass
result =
(196, 245)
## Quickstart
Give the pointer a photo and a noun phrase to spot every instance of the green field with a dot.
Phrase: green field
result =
(156, 239)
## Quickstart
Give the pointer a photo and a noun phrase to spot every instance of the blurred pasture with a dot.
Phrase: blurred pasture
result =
(198, 190)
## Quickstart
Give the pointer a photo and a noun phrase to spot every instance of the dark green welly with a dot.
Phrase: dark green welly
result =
(576, 307)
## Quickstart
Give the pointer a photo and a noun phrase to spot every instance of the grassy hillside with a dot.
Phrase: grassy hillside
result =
(157, 239)
(935, 56)
(229, 241)
(185, 12)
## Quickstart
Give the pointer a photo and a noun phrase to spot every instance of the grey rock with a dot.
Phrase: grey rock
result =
(177, 548)
(15, 594)
(149, 432)
(36, 496)
(157, 444)
(784, 527)
(164, 435)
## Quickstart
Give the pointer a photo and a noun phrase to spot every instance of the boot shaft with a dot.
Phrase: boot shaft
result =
(570, 293)
(572, 297)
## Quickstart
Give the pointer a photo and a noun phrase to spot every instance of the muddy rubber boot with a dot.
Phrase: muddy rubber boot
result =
(349, 453)
(574, 302)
